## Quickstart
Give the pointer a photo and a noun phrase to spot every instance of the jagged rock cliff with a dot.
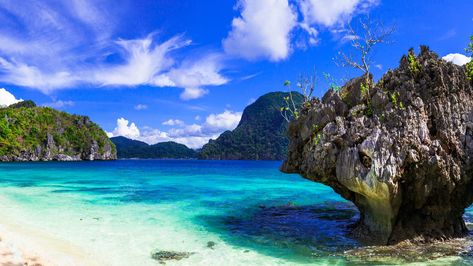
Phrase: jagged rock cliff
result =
(402, 154)
(30, 133)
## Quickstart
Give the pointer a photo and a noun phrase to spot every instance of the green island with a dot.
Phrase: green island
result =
(32, 133)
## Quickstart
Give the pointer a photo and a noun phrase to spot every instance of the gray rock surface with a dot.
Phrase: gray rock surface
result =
(402, 154)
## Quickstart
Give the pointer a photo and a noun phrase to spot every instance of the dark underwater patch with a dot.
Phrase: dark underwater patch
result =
(299, 233)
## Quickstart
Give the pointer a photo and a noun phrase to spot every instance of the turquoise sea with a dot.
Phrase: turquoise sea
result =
(223, 212)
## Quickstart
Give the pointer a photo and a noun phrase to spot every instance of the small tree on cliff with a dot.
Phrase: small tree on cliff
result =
(306, 86)
(469, 66)
(363, 39)
(470, 46)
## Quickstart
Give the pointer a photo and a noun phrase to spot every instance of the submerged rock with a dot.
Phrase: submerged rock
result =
(402, 154)
(163, 256)
(211, 244)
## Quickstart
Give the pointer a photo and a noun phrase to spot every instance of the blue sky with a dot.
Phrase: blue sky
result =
(159, 70)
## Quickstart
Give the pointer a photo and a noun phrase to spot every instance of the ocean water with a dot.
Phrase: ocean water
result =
(222, 212)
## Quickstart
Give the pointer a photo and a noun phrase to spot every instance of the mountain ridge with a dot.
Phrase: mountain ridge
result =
(129, 148)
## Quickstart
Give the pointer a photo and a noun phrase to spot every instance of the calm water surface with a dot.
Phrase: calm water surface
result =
(120, 212)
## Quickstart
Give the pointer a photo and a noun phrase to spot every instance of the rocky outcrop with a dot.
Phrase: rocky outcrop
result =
(402, 153)
(30, 133)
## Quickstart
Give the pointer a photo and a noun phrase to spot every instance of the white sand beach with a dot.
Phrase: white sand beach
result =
(20, 245)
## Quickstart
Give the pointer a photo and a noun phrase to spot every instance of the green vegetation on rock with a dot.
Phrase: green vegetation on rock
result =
(469, 65)
(30, 133)
(128, 148)
(260, 135)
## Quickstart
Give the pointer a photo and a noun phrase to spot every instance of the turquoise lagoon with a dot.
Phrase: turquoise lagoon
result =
(119, 212)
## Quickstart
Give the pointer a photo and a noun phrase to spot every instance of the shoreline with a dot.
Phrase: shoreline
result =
(21, 245)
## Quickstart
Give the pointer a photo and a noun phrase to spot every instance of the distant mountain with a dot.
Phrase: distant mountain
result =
(31, 133)
(260, 135)
(128, 148)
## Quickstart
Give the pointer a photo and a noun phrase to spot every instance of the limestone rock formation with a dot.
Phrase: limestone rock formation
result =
(402, 153)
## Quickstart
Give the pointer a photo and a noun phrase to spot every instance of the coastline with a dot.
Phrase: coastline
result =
(21, 245)
(109, 215)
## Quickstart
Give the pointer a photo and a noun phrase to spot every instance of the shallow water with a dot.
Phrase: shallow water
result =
(223, 212)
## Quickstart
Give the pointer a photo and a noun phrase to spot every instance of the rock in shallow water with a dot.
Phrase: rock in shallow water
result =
(163, 256)
(211, 244)
(404, 156)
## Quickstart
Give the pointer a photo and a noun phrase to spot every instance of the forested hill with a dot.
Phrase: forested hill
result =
(260, 135)
(128, 148)
(32, 133)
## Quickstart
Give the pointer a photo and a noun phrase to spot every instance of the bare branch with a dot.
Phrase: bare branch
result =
(369, 35)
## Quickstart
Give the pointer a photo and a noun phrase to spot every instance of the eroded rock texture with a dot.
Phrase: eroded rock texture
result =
(403, 154)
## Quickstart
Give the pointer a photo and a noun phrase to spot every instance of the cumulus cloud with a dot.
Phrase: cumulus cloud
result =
(223, 121)
(265, 29)
(329, 13)
(125, 129)
(32, 55)
(6, 98)
(193, 135)
(457, 59)
(262, 30)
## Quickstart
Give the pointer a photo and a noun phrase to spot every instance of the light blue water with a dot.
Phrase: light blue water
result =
(119, 212)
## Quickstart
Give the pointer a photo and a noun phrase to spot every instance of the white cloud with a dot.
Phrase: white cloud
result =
(193, 93)
(223, 121)
(173, 122)
(262, 30)
(192, 75)
(457, 59)
(144, 60)
(331, 13)
(69, 44)
(140, 107)
(267, 29)
(125, 129)
(193, 135)
(60, 104)
(94, 16)
(6, 98)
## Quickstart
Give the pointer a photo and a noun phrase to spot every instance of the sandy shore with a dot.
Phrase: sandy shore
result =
(20, 245)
